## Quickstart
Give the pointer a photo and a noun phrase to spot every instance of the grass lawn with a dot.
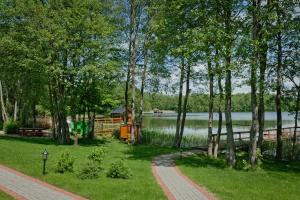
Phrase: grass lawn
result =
(4, 196)
(25, 155)
(276, 180)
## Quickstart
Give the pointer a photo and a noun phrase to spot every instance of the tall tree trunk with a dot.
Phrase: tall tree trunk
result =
(253, 81)
(261, 104)
(210, 108)
(126, 91)
(221, 98)
(34, 114)
(231, 160)
(142, 94)
(53, 116)
(296, 124)
(3, 109)
(16, 109)
(230, 138)
(179, 107)
(132, 64)
(278, 98)
(184, 105)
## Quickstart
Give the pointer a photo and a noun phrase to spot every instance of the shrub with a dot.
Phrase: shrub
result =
(90, 171)
(119, 170)
(10, 127)
(97, 155)
(116, 133)
(65, 163)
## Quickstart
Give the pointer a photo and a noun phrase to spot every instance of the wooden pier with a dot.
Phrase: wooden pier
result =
(269, 135)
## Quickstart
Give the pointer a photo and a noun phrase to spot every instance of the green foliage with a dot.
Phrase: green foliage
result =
(259, 158)
(97, 155)
(199, 102)
(93, 167)
(65, 163)
(91, 170)
(118, 169)
(10, 127)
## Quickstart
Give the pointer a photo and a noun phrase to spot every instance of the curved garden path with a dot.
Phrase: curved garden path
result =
(176, 185)
(23, 187)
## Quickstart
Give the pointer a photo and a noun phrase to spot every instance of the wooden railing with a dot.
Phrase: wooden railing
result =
(104, 126)
(269, 134)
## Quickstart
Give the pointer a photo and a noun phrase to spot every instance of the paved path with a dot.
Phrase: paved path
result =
(176, 185)
(23, 187)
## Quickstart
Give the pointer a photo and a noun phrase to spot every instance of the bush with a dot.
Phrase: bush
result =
(116, 133)
(97, 155)
(90, 171)
(65, 163)
(119, 170)
(10, 127)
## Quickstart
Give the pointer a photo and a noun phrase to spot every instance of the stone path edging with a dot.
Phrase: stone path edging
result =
(174, 183)
(23, 187)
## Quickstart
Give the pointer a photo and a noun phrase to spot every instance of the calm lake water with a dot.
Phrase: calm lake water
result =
(196, 123)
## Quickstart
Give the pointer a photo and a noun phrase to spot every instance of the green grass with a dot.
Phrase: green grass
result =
(275, 180)
(4, 196)
(162, 139)
(25, 155)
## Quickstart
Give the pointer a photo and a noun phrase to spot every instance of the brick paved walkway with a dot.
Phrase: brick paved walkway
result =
(176, 185)
(23, 187)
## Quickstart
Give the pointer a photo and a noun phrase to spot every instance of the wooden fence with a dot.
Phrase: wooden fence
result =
(269, 134)
(106, 126)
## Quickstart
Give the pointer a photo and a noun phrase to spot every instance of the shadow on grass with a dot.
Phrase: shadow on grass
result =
(84, 142)
(202, 161)
(147, 152)
(281, 166)
(268, 165)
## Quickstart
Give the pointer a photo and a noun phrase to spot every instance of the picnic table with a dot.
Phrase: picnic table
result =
(31, 131)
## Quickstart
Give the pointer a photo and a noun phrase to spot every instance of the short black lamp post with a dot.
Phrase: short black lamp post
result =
(45, 157)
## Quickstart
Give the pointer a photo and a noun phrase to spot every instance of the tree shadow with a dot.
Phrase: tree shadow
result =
(83, 142)
(281, 166)
(86, 142)
(201, 160)
(34, 140)
(147, 152)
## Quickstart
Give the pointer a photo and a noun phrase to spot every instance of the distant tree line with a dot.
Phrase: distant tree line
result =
(199, 102)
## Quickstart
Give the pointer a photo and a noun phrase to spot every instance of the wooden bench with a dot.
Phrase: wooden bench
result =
(31, 132)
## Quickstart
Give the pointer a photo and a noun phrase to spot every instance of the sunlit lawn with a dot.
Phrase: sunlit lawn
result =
(25, 155)
(276, 180)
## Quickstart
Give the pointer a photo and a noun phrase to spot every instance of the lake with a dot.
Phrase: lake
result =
(196, 123)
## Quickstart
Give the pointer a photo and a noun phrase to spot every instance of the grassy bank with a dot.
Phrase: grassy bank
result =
(275, 180)
(25, 155)
(167, 140)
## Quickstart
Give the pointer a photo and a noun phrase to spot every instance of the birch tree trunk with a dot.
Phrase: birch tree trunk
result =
(132, 63)
(296, 124)
(221, 98)
(184, 105)
(179, 109)
(142, 94)
(231, 160)
(210, 108)
(230, 139)
(3, 109)
(253, 80)
(261, 104)
(278, 97)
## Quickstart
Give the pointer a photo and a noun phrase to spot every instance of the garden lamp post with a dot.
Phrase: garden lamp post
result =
(45, 157)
